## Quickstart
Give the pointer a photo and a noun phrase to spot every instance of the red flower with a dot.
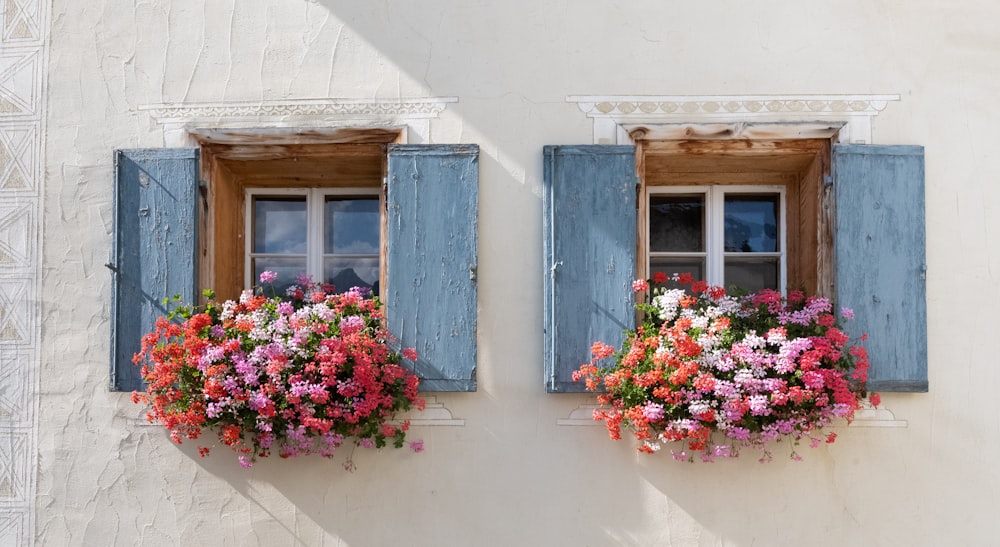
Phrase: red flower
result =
(738, 371)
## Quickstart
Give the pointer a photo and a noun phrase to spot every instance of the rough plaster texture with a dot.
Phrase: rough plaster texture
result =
(511, 475)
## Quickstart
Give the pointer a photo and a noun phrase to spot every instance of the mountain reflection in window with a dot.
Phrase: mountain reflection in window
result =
(351, 242)
(337, 243)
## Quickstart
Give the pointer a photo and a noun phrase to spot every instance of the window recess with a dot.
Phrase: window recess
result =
(185, 219)
(853, 230)
(799, 256)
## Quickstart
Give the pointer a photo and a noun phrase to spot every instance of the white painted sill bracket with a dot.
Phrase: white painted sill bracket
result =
(866, 416)
(848, 118)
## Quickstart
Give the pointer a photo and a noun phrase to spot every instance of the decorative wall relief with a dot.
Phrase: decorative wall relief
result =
(24, 27)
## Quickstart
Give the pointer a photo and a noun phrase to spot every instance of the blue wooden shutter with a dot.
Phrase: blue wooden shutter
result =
(589, 223)
(154, 247)
(880, 258)
(433, 200)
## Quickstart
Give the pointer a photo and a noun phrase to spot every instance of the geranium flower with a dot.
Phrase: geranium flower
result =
(750, 370)
(298, 375)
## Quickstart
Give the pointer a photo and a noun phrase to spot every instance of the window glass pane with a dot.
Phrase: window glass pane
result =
(286, 268)
(677, 223)
(351, 226)
(752, 275)
(670, 266)
(345, 273)
(751, 223)
(279, 225)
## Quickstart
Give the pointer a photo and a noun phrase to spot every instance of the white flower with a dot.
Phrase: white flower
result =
(754, 341)
(667, 303)
(699, 321)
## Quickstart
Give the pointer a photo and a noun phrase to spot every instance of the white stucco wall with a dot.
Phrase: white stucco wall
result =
(510, 475)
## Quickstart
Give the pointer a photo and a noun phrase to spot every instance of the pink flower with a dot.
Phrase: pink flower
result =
(640, 285)
(417, 446)
(812, 379)
(410, 354)
(270, 376)
(652, 411)
(268, 277)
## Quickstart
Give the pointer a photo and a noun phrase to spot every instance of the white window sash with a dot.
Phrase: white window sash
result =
(714, 253)
(315, 200)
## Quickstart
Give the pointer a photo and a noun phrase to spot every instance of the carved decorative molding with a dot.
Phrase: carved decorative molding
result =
(611, 113)
(680, 106)
(353, 109)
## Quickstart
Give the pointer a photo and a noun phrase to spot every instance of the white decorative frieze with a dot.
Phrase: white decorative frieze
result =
(610, 113)
(729, 105)
(415, 114)
(266, 111)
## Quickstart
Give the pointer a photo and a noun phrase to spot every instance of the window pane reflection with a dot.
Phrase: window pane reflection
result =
(752, 275)
(351, 226)
(279, 225)
(344, 273)
(751, 223)
(677, 223)
(288, 269)
(672, 265)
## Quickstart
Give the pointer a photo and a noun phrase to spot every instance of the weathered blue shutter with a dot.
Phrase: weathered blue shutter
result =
(433, 200)
(154, 247)
(880, 258)
(589, 223)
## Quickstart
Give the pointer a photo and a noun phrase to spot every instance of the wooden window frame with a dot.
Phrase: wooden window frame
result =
(233, 161)
(802, 166)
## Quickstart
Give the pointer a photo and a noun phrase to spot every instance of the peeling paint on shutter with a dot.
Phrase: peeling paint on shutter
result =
(880, 258)
(154, 247)
(432, 200)
(589, 222)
